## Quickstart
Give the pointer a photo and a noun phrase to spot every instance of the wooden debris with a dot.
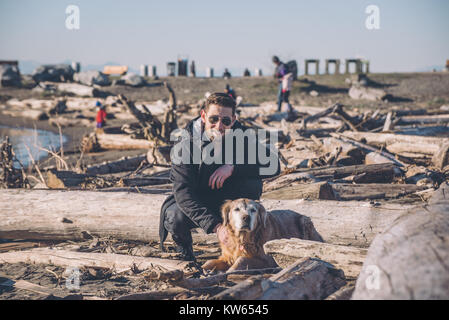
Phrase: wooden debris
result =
(125, 164)
(319, 190)
(50, 293)
(40, 214)
(306, 279)
(398, 143)
(441, 158)
(10, 177)
(69, 179)
(347, 192)
(63, 258)
(373, 173)
(409, 259)
(287, 251)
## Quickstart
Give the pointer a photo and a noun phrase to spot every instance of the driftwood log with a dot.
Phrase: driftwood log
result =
(373, 190)
(287, 251)
(305, 279)
(399, 143)
(374, 173)
(78, 89)
(60, 215)
(69, 179)
(64, 258)
(122, 142)
(343, 191)
(409, 260)
(319, 190)
(124, 164)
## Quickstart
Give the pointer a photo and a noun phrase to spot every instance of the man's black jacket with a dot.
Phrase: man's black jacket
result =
(190, 183)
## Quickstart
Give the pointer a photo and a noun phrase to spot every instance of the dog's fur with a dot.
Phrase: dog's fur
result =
(249, 226)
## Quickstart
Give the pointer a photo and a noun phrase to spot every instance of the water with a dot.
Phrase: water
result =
(34, 139)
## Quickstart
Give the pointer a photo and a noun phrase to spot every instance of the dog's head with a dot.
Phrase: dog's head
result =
(243, 215)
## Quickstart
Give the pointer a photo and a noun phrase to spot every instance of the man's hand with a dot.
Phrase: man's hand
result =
(220, 175)
(222, 233)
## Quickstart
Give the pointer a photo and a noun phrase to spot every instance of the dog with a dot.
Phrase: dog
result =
(249, 226)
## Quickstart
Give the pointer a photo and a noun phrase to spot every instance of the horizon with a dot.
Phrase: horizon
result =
(410, 38)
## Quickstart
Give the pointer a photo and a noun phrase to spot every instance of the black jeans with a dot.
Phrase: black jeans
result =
(179, 225)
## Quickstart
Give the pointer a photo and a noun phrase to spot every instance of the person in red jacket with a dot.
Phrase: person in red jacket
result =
(101, 115)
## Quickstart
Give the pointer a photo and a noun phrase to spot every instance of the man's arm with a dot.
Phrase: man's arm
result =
(185, 185)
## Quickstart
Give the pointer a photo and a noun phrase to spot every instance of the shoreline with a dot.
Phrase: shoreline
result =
(74, 137)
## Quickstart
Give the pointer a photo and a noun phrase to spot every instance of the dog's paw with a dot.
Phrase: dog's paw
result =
(215, 265)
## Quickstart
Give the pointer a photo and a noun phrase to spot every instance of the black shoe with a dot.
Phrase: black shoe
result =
(186, 253)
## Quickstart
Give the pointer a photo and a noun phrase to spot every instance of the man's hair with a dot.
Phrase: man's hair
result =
(275, 59)
(221, 100)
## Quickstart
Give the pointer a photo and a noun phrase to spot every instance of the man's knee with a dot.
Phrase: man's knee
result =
(175, 220)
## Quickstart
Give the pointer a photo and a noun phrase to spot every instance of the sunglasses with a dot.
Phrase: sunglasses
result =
(225, 120)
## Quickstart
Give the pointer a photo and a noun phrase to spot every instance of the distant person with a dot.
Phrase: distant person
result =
(226, 74)
(193, 69)
(284, 77)
(246, 73)
(101, 116)
(230, 92)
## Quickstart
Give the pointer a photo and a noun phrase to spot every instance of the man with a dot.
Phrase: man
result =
(226, 74)
(192, 69)
(284, 78)
(199, 189)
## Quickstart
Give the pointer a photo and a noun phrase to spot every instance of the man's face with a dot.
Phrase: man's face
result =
(217, 118)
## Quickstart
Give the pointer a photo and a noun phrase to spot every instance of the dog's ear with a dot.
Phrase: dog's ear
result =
(262, 213)
(225, 209)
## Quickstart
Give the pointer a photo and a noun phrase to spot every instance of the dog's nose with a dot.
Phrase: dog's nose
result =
(246, 219)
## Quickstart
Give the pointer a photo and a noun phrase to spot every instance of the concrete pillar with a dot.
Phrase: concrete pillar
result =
(358, 66)
(258, 72)
(326, 66)
(317, 67)
(337, 67)
(144, 70)
(76, 66)
(210, 72)
(306, 67)
(171, 69)
(153, 71)
(346, 66)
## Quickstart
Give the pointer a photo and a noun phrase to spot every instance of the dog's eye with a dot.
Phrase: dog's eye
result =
(237, 209)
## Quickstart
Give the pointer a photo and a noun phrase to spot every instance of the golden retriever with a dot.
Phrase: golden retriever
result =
(249, 226)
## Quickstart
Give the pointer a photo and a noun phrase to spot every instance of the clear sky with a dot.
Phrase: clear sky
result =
(236, 34)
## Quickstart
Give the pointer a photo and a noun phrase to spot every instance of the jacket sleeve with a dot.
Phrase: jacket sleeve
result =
(185, 185)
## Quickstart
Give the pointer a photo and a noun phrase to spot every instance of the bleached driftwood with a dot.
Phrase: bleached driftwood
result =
(76, 215)
(398, 143)
(30, 114)
(64, 258)
(305, 279)
(374, 173)
(409, 260)
(287, 251)
(122, 142)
